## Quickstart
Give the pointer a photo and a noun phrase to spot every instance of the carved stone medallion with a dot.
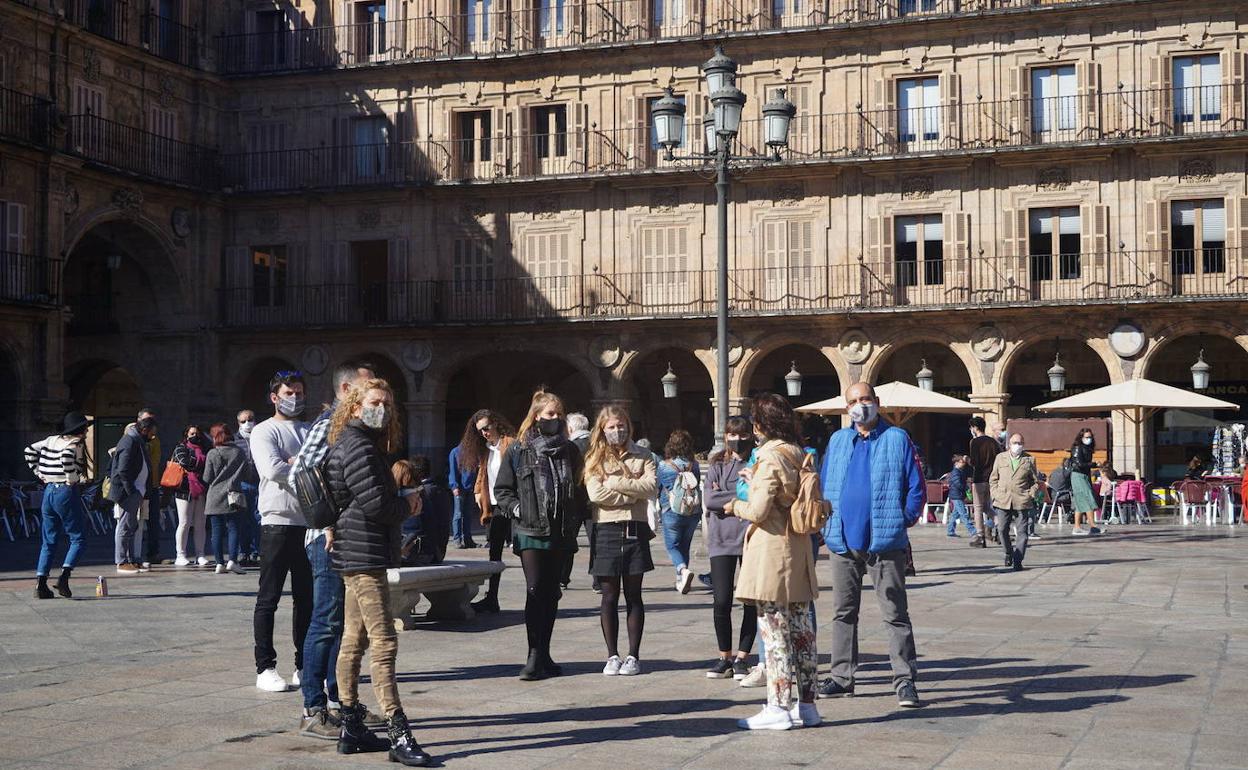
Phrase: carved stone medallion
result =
(987, 342)
(1127, 340)
(605, 352)
(855, 346)
(417, 355)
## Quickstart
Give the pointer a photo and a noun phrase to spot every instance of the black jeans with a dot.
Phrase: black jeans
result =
(281, 553)
(541, 577)
(723, 573)
(499, 534)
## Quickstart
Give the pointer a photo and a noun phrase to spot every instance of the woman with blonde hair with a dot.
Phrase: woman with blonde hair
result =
(620, 480)
(363, 430)
(539, 489)
(778, 569)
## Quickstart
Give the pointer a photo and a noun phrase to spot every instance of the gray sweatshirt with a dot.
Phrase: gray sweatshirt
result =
(725, 534)
(226, 469)
(273, 443)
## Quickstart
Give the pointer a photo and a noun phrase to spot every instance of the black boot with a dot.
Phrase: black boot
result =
(41, 588)
(534, 668)
(62, 583)
(403, 747)
(488, 604)
(355, 737)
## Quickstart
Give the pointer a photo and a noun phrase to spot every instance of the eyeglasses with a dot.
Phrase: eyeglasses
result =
(486, 429)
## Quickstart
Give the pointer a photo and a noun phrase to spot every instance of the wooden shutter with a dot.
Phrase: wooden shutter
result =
(1233, 66)
(1238, 257)
(399, 289)
(957, 245)
(1094, 237)
(639, 127)
(696, 104)
(886, 104)
(15, 223)
(237, 267)
(1161, 98)
(773, 244)
(578, 124)
(1088, 79)
(951, 109)
(1019, 106)
(498, 148)
(522, 141)
(1157, 236)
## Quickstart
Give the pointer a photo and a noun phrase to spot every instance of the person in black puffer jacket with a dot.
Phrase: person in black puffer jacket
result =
(539, 488)
(365, 543)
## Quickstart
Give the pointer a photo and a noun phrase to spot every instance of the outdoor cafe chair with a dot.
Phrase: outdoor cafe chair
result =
(936, 499)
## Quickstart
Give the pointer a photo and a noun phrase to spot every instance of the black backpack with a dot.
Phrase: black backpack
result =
(315, 501)
(429, 532)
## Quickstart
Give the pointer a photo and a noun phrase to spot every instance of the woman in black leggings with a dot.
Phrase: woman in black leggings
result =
(487, 437)
(620, 478)
(725, 539)
(539, 489)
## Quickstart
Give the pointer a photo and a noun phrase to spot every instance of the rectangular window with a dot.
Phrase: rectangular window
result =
(163, 123)
(88, 131)
(473, 138)
(266, 161)
(550, 131)
(270, 39)
(664, 264)
(268, 276)
(911, 7)
(669, 15)
(546, 260)
(786, 13)
(88, 100)
(472, 266)
(370, 138)
(1197, 88)
(920, 241)
(918, 102)
(1053, 99)
(1054, 236)
(477, 21)
(649, 127)
(370, 28)
(550, 18)
(1198, 236)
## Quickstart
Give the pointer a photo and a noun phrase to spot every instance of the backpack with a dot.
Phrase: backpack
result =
(312, 494)
(809, 511)
(686, 495)
(429, 532)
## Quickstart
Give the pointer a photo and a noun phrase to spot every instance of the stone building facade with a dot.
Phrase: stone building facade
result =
(468, 194)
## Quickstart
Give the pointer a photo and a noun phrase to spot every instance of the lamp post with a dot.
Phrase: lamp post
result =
(727, 102)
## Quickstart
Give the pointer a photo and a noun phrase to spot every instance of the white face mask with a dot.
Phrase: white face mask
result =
(616, 436)
(864, 414)
(1016, 449)
(1087, 441)
(373, 416)
(244, 428)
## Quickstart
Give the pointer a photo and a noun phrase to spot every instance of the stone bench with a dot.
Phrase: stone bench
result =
(450, 587)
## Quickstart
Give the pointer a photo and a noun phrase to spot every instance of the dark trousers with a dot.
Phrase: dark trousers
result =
(151, 541)
(500, 533)
(888, 576)
(541, 604)
(1025, 521)
(723, 573)
(281, 553)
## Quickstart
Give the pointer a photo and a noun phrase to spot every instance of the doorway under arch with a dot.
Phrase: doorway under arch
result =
(110, 395)
(656, 416)
(938, 436)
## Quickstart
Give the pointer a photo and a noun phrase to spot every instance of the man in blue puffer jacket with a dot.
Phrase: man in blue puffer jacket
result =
(876, 490)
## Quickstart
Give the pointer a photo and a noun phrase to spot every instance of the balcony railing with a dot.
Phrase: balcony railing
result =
(483, 30)
(27, 279)
(1107, 117)
(170, 40)
(141, 152)
(854, 286)
(24, 117)
(106, 18)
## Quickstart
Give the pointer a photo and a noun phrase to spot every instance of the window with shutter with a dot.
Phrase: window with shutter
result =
(546, 261)
(918, 113)
(1197, 93)
(13, 227)
(478, 25)
(667, 18)
(1054, 238)
(1054, 103)
(268, 49)
(550, 23)
(370, 138)
(266, 159)
(472, 266)
(549, 126)
(368, 43)
(1197, 237)
(919, 240)
(664, 262)
(473, 144)
(268, 276)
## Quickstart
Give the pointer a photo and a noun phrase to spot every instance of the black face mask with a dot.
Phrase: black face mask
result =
(741, 446)
(550, 426)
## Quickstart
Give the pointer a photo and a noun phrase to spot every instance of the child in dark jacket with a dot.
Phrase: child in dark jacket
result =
(958, 478)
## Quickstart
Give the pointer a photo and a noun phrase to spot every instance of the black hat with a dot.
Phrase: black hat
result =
(74, 422)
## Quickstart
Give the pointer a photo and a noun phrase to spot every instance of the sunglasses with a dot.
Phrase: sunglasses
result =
(486, 429)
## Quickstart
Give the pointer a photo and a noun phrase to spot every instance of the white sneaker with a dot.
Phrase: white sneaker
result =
(203, 561)
(294, 678)
(234, 567)
(271, 681)
(684, 581)
(145, 566)
(756, 678)
(630, 667)
(220, 570)
(805, 715)
(613, 666)
(770, 718)
(181, 561)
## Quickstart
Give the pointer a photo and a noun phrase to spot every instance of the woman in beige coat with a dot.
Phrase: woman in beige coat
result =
(778, 569)
(620, 479)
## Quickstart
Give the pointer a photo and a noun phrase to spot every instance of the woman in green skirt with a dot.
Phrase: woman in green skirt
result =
(1082, 498)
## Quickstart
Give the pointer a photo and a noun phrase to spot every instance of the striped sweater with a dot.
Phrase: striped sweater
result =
(58, 460)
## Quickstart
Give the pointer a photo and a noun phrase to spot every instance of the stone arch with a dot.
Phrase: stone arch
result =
(625, 370)
(447, 364)
(656, 416)
(253, 382)
(887, 347)
(110, 216)
(744, 372)
(1185, 328)
(111, 395)
(1046, 332)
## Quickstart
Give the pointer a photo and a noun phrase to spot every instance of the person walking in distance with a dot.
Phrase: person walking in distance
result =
(484, 450)
(366, 542)
(462, 480)
(957, 498)
(982, 453)
(60, 462)
(778, 569)
(578, 433)
(725, 541)
(539, 488)
(1015, 483)
(876, 490)
(620, 481)
(130, 471)
(249, 522)
(318, 679)
(1082, 498)
(680, 510)
(274, 445)
(226, 470)
(190, 498)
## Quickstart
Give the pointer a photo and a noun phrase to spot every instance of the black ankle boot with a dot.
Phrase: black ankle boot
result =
(533, 667)
(62, 583)
(403, 747)
(355, 737)
(550, 666)
(41, 588)
(488, 604)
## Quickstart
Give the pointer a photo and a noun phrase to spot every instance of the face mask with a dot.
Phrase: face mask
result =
(373, 416)
(740, 446)
(244, 428)
(864, 414)
(552, 426)
(290, 406)
(1016, 449)
(1087, 441)
(616, 436)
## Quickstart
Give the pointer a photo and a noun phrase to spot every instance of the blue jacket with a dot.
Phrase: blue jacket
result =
(897, 491)
(957, 483)
(463, 479)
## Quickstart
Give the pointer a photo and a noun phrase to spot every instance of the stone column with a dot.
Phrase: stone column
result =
(426, 431)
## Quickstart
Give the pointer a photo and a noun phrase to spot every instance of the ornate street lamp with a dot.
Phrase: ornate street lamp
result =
(777, 115)
(793, 381)
(925, 377)
(1200, 372)
(669, 121)
(1057, 374)
(719, 71)
(670, 382)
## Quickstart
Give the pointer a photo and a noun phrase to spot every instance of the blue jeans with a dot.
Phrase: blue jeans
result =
(62, 511)
(320, 647)
(461, 520)
(225, 536)
(249, 521)
(678, 536)
(957, 510)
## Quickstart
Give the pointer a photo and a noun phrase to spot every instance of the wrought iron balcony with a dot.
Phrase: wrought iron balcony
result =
(845, 286)
(170, 40)
(25, 117)
(1117, 117)
(141, 152)
(27, 279)
(482, 29)
(106, 18)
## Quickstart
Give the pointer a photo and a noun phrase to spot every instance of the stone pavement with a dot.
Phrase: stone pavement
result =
(1124, 651)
